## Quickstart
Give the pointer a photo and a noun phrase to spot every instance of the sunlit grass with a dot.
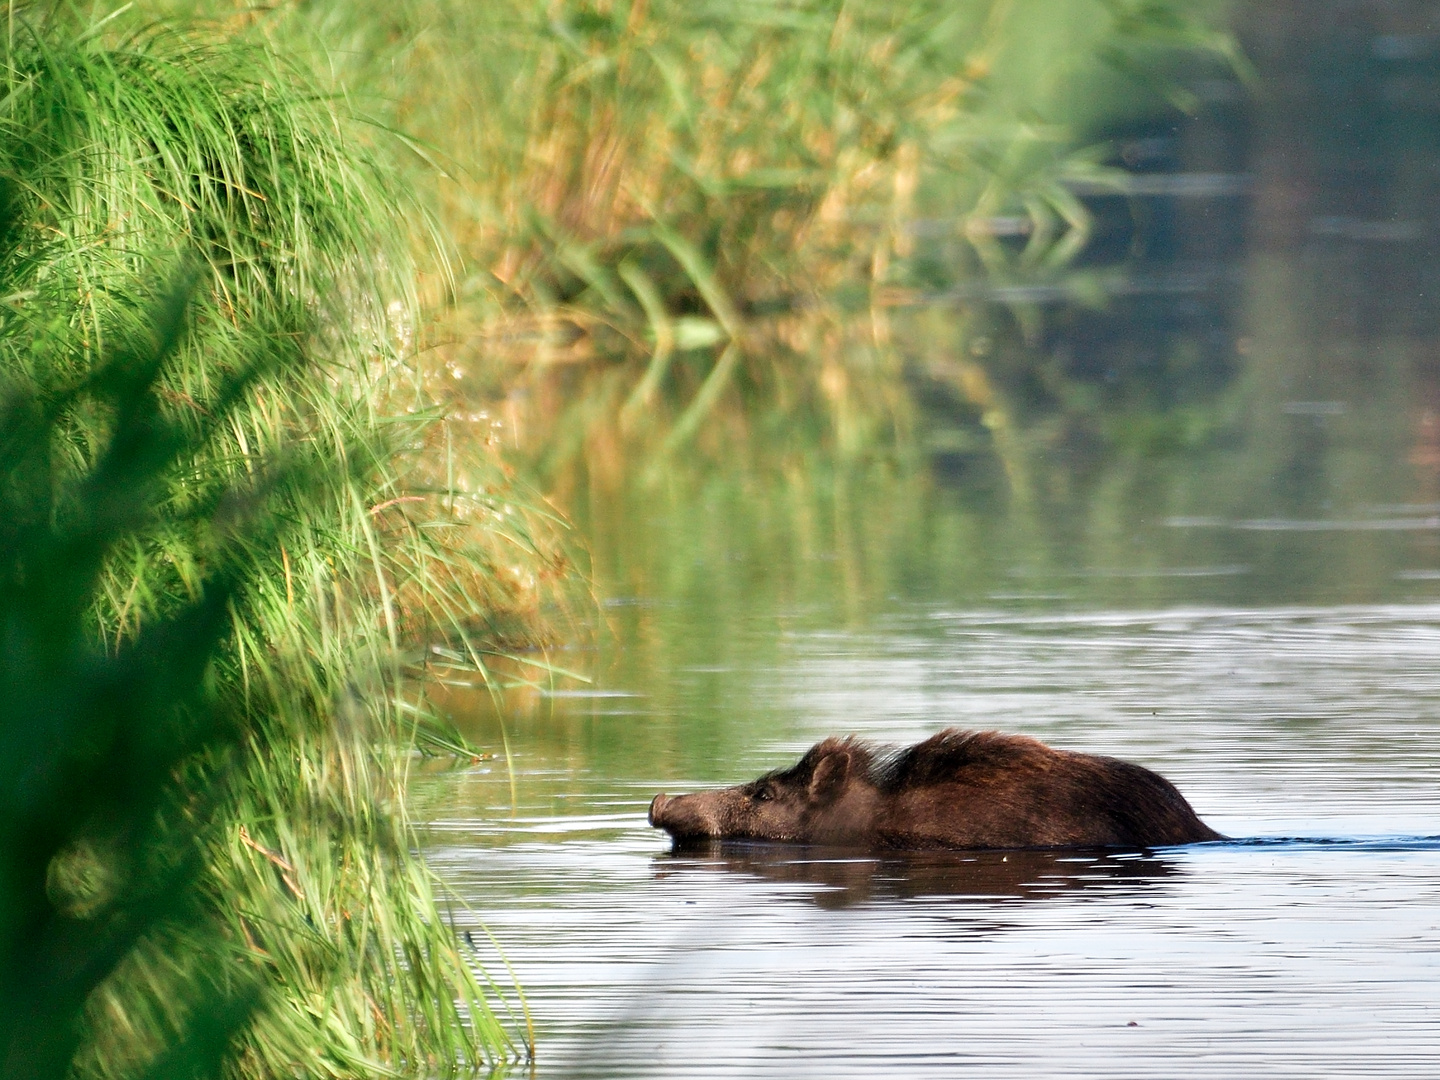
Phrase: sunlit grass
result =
(125, 152)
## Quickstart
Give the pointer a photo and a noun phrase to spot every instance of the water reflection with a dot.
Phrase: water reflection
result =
(837, 879)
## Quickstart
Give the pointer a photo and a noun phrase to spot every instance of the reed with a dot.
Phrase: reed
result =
(682, 221)
(311, 940)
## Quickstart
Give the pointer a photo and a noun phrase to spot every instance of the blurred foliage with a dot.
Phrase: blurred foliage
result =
(681, 221)
(664, 206)
(100, 849)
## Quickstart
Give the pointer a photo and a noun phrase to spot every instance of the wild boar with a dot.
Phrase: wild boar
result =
(957, 789)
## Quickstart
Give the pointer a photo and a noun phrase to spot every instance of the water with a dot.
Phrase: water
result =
(1239, 588)
(1311, 946)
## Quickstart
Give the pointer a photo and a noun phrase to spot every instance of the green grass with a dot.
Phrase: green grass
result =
(308, 919)
(96, 846)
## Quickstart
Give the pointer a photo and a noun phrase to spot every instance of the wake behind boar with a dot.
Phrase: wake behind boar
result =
(957, 789)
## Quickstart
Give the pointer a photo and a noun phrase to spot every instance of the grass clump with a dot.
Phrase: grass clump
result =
(98, 844)
(276, 917)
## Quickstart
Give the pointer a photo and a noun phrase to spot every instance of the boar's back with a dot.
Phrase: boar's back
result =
(985, 789)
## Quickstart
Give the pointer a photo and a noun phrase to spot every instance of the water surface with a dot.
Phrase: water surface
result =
(1311, 947)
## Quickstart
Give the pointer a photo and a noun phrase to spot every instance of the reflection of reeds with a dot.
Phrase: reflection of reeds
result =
(288, 381)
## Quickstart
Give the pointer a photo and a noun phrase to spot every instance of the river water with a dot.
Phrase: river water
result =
(1309, 946)
(1244, 597)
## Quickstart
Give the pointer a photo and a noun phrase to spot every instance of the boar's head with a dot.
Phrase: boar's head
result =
(826, 798)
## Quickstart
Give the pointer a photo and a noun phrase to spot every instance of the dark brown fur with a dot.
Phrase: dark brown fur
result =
(957, 789)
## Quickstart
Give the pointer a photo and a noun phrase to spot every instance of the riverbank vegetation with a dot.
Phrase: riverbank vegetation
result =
(682, 222)
(232, 536)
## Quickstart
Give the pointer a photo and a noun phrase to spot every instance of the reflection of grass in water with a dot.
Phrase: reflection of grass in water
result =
(289, 500)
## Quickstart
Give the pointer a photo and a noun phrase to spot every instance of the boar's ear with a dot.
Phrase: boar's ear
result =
(830, 775)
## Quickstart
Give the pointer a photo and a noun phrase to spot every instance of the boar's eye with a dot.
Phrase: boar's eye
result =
(763, 793)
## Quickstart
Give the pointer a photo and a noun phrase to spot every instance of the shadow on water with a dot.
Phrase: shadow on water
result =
(833, 879)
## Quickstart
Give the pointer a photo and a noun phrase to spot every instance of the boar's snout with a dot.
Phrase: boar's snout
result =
(685, 816)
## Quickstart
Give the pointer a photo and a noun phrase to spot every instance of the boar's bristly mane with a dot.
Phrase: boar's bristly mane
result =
(939, 759)
(944, 756)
